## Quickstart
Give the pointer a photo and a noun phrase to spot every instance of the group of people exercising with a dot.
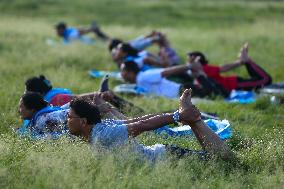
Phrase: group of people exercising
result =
(98, 117)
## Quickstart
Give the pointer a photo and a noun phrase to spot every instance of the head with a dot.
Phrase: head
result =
(113, 44)
(60, 28)
(82, 116)
(38, 84)
(192, 55)
(123, 50)
(129, 71)
(30, 103)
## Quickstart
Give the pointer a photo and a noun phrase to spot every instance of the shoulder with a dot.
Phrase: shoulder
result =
(110, 132)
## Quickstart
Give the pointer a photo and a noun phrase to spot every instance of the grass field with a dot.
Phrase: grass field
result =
(217, 27)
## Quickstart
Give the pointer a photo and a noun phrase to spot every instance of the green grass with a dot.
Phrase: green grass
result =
(217, 27)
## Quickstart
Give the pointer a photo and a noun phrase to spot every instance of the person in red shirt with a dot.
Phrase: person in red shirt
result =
(258, 77)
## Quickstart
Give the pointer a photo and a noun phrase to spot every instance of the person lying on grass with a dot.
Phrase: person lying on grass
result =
(70, 34)
(145, 60)
(84, 120)
(154, 81)
(61, 96)
(140, 43)
(43, 121)
(258, 77)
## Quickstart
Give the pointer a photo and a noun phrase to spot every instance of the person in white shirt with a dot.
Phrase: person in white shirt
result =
(154, 81)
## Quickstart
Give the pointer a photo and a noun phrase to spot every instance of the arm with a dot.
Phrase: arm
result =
(175, 70)
(106, 109)
(85, 31)
(153, 62)
(228, 67)
(151, 123)
(133, 120)
(210, 141)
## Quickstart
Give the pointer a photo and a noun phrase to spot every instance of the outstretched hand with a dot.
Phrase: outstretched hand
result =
(188, 112)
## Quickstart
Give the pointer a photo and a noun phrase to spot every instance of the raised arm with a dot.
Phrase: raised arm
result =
(149, 123)
(209, 140)
(243, 58)
(175, 70)
(154, 62)
(230, 66)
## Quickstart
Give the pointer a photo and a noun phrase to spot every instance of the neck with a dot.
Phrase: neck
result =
(87, 133)
(134, 78)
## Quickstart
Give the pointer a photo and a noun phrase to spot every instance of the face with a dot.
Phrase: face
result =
(74, 123)
(60, 32)
(118, 53)
(24, 112)
(190, 58)
(127, 76)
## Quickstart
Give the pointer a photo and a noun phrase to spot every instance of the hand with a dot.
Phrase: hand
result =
(188, 112)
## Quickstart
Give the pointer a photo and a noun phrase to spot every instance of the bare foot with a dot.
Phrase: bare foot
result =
(243, 56)
(188, 112)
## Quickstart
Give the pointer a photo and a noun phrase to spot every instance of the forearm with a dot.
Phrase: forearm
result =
(85, 31)
(175, 70)
(154, 62)
(133, 120)
(149, 124)
(210, 141)
(228, 67)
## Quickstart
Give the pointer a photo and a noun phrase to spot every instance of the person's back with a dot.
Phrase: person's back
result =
(153, 82)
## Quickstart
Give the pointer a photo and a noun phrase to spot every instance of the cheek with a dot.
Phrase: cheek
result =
(73, 127)
(123, 75)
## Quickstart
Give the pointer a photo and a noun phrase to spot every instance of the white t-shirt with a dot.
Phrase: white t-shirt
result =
(153, 82)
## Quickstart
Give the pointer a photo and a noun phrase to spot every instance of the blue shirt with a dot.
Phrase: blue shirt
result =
(113, 133)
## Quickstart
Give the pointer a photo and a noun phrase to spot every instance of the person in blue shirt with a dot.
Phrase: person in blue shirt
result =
(70, 34)
(41, 119)
(84, 121)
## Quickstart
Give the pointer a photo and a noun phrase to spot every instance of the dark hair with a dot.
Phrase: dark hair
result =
(33, 100)
(114, 43)
(61, 25)
(125, 47)
(202, 59)
(38, 84)
(131, 66)
(86, 109)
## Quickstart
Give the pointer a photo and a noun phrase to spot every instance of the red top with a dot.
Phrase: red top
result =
(228, 82)
(60, 99)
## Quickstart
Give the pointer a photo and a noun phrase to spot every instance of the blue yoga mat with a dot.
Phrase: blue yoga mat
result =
(221, 127)
(99, 74)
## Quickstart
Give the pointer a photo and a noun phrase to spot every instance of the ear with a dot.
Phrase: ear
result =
(84, 121)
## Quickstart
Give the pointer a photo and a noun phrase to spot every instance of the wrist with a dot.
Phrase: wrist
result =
(176, 116)
(195, 123)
